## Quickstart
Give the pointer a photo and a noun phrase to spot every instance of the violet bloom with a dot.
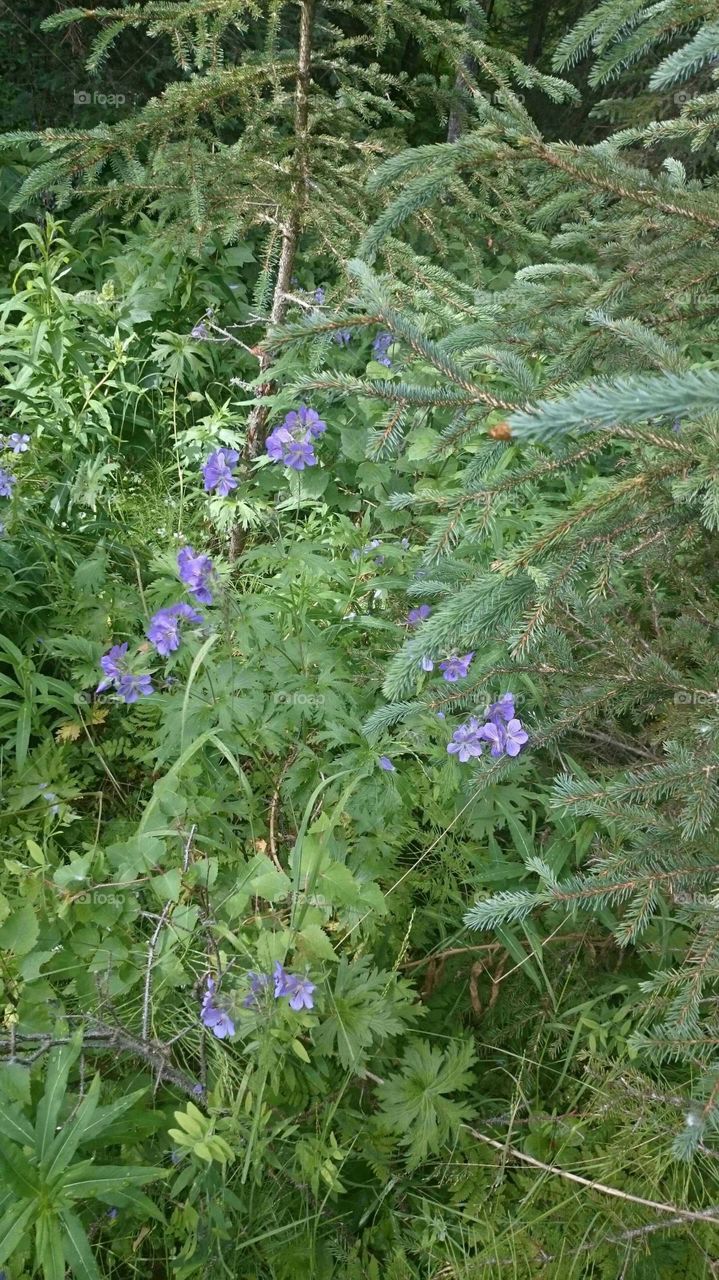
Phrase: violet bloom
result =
(304, 421)
(466, 741)
(131, 687)
(113, 666)
(456, 668)
(515, 737)
(494, 732)
(501, 711)
(18, 442)
(301, 997)
(677, 424)
(7, 480)
(283, 447)
(164, 629)
(217, 471)
(195, 571)
(427, 664)
(342, 337)
(216, 1019)
(282, 981)
(386, 764)
(199, 333)
(319, 295)
(50, 797)
(405, 544)
(259, 982)
(380, 347)
(415, 616)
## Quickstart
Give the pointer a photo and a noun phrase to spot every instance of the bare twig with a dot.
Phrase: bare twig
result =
(692, 1215)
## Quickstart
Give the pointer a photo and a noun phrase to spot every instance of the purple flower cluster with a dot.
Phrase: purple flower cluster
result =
(7, 480)
(217, 471)
(164, 629)
(502, 730)
(292, 442)
(415, 616)
(298, 990)
(342, 337)
(380, 347)
(213, 1016)
(195, 571)
(129, 685)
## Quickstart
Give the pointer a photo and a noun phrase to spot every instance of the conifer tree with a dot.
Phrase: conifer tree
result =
(601, 615)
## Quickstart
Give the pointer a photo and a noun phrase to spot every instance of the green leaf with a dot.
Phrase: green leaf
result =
(87, 1179)
(77, 1248)
(315, 942)
(13, 1227)
(48, 1247)
(15, 1126)
(19, 933)
(59, 1062)
(66, 1142)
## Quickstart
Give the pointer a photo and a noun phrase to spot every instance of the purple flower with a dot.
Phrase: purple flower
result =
(515, 737)
(427, 664)
(217, 1020)
(380, 347)
(503, 710)
(112, 1214)
(283, 447)
(342, 337)
(677, 424)
(112, 664)
(355, 555)
(259, 982)
(494, 732)
(7, 480)
(379, 560)
(298, 989)
(130, 687)
(199, 333)
(18, 443)
(301, 997)
(195, 571)
(282, 981)
(456, 668)
(50, 797)
(386, 764)
(217, 471)
(304, 422)
(319, 295)
(415, 616)
(405, 544)
(466, 741)
(164, 629)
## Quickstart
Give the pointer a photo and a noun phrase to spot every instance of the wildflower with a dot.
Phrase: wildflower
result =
(415, 616)
(319, 295)
(441, 715)
(299, 990)
(164, 629)
(283, 447)
(112, 1213)
(7, 480)
(379, 560)
(515, 737)
(456, 668)
(677, 424)
(50, 797)
(503, 710)
(217, 1020)
(199, 332)
(342, 337)
(195, 571)
(373, 544)
(427, 664)
(380, 347)
(130, 687)
(355, 555)
(304, 420)
(112, 666)
(259, 982)
(466, 741)
(405, 544)
(217, 471)
(18, 442)
(496, 734)
(386, 764)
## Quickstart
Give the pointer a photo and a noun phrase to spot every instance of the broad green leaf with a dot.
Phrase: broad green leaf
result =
(105, 1116)
(13, 1226)
(48, 1247)
(19, 932)
(66, 1142)
(15, 1126)
(77, 1248)
(95, 1180)
(59, 1063)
